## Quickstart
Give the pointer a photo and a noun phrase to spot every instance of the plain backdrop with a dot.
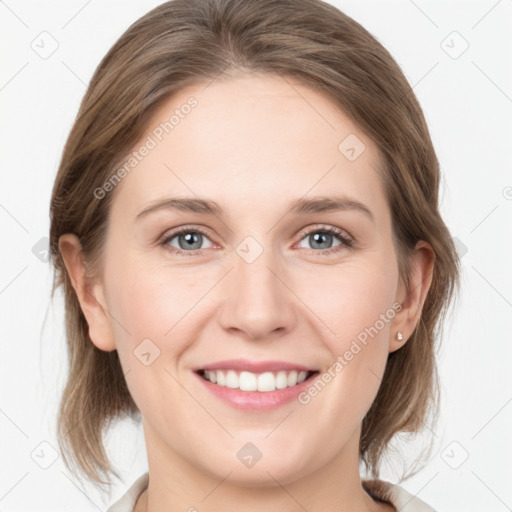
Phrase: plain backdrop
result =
(456, 54)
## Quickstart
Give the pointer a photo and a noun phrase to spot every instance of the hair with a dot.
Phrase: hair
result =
(187, 42)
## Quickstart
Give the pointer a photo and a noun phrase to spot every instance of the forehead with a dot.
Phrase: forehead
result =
(252, 136)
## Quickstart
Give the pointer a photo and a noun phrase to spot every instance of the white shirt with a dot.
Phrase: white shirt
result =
(394, 494)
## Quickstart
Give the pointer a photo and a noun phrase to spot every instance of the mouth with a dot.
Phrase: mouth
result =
(251, 381)
(255, 385)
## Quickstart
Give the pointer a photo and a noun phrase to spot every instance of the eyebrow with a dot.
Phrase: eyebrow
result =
(300, 206)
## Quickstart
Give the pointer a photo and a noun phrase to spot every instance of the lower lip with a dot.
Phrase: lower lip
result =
(256, 400)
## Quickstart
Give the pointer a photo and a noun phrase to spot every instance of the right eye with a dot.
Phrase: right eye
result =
(189, 241)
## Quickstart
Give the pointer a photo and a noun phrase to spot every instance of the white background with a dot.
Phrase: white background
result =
(468, 105)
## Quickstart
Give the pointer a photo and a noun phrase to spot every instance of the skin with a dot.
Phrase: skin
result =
(253, 144)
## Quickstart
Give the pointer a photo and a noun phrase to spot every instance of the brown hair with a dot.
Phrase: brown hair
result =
(184, 42)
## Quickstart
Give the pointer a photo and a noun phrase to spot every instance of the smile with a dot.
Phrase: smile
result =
(249, 381)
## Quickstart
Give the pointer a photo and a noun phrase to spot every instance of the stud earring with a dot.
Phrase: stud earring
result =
(399, 336)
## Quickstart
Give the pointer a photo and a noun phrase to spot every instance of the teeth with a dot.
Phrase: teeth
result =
(248, 381)
(293, 377)
(231, 379)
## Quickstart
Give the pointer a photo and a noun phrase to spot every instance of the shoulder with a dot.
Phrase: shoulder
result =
(396, 495)
(128, 500)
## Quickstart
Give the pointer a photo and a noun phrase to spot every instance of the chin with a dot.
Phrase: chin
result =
(268, 471)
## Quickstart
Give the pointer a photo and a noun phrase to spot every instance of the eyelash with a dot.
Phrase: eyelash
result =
(329, 230)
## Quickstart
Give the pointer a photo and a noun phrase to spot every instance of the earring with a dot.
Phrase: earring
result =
(399, 336)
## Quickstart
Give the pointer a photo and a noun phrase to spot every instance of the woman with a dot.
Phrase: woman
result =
(245, 225)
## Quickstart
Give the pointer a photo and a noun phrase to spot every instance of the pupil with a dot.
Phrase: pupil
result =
(317, 237)
(191, 239)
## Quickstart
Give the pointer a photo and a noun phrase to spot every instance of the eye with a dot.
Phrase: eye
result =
(189, 241)
(321, 238)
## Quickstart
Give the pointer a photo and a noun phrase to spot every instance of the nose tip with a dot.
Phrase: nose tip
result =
(257, 302)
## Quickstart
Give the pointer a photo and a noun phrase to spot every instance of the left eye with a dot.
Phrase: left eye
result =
(325, 236)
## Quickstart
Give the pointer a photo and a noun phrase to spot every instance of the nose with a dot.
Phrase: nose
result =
(258, 304)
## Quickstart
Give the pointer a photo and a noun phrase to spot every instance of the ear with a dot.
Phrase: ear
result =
(412, 300)
(90, 294)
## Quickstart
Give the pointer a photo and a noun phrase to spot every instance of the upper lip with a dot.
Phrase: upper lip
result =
(254, 366)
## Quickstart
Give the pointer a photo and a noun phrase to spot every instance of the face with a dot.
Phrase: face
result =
(253, 286)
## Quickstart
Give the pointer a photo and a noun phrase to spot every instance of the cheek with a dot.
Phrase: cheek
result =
(153, 327)
(153, 305)
(150, 306)
(367, 308)
(357, 306)
(352, 299)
